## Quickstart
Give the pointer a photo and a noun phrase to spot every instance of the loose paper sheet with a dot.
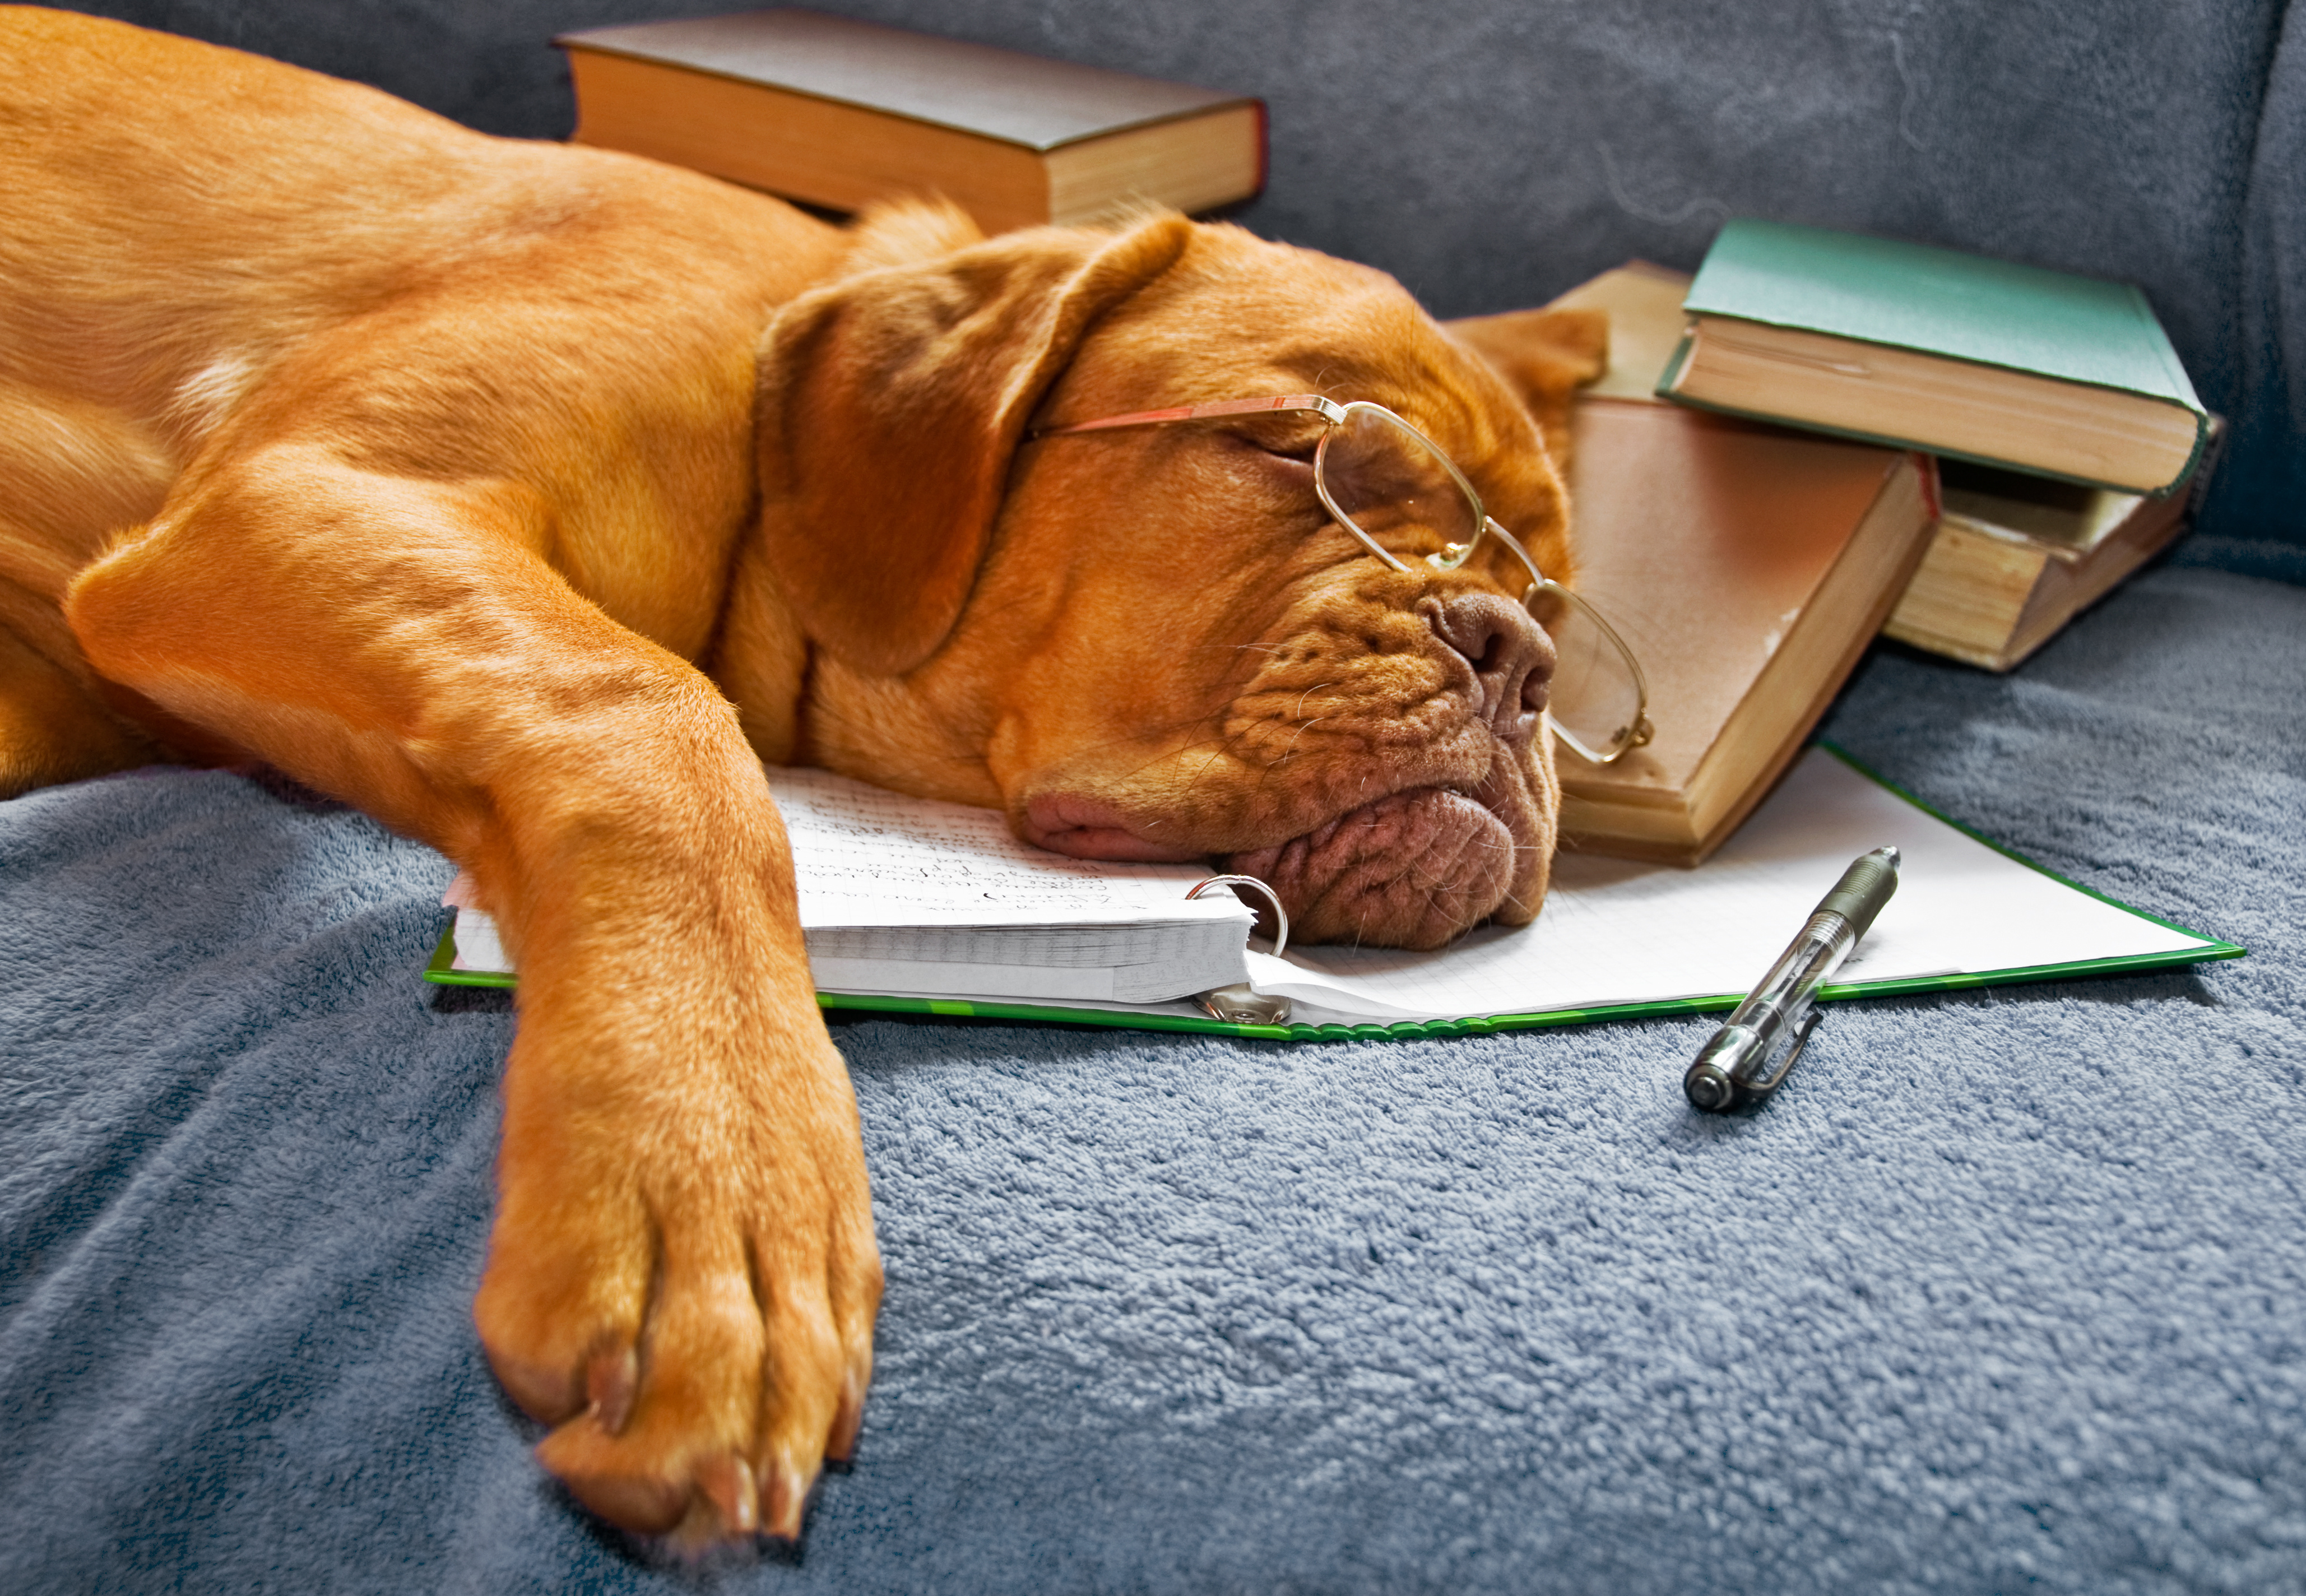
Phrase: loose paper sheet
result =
(1616, 931)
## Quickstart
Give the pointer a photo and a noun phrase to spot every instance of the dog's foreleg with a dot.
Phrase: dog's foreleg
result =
(682, 1276)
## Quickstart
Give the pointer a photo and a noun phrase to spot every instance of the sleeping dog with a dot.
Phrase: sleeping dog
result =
(531, 496)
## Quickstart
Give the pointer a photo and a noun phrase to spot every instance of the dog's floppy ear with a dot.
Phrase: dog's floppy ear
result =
(1546, 355)
(890, 404)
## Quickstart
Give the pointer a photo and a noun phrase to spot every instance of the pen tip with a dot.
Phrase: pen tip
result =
(1888, 855)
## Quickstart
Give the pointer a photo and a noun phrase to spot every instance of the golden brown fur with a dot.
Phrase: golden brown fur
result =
(529, 497)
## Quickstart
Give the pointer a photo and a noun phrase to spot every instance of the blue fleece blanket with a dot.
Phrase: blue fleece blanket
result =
(2007, 1290)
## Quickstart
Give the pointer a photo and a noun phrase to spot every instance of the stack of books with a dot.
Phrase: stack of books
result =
(2067, 432)
(1821, 438)
(1747, 566)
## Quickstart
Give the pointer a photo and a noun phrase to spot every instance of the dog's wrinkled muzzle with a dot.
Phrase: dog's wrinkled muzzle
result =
(1411, 870)
(1419, 866)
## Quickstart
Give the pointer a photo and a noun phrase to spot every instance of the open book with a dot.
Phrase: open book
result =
(934, 908)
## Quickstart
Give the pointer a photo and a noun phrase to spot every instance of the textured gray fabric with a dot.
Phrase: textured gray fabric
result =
(1491, 153)
(2006, 1290)
(2260, 498)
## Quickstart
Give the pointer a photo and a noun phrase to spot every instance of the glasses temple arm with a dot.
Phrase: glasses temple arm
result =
(1327, 409)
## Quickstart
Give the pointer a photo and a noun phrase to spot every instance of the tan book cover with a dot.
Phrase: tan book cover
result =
(839, 113)
(1748, 567)
(1644, 303)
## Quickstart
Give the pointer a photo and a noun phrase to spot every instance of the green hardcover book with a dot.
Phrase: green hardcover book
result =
(1617, 940)
(1932, 349)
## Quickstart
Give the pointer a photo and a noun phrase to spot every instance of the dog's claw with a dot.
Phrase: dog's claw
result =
(612, 1376)
(728, 1484)
(788, 1499)
(840, 1446)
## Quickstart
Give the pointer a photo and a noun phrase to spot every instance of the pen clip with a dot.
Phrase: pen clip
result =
(1789, 1051)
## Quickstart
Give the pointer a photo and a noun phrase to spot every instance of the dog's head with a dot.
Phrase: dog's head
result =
(1153, 643)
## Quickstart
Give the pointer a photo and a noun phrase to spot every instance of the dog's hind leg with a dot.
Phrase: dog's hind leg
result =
(71, 473)
(51, 731)
(682, 1276)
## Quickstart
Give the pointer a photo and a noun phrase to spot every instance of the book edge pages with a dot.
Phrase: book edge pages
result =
(2057, 602)
(1922, 351)
(1968, 592)
(843, 959)
(1208, 101)
(1089, 179)
(1828, 394)
(1939, 613)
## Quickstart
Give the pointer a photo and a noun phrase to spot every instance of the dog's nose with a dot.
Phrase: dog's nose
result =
(1511, 656)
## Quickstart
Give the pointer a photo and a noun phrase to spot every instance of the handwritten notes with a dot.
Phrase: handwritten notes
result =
(865, 857)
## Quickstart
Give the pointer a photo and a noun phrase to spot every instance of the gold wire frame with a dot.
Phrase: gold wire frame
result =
(1632, 735)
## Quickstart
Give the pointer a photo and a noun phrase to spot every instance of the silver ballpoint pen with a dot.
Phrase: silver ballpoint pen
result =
(1753, 1051)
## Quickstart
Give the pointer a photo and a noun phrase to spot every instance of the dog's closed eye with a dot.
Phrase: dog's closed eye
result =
(1283, 441)
(1300, 453)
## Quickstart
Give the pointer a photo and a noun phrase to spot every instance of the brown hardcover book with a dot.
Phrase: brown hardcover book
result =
(2016, 557)
(840, 114)
(1748, 567)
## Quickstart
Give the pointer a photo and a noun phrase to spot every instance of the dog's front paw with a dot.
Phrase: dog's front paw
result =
(682, 1279)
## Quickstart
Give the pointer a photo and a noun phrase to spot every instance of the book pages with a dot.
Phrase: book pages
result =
(867, 857)
(906, 894)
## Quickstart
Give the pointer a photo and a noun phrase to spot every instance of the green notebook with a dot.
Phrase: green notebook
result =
(1930, 349)
(1618, 939)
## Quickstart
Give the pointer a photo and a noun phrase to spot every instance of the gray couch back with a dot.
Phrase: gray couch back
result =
(1490, 153)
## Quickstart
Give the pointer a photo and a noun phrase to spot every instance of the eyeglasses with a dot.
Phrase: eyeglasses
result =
(1378, 476)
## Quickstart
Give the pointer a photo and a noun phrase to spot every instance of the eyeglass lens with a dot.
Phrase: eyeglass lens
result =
(1383, 481)
(1596, 698)
(1389, 482)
